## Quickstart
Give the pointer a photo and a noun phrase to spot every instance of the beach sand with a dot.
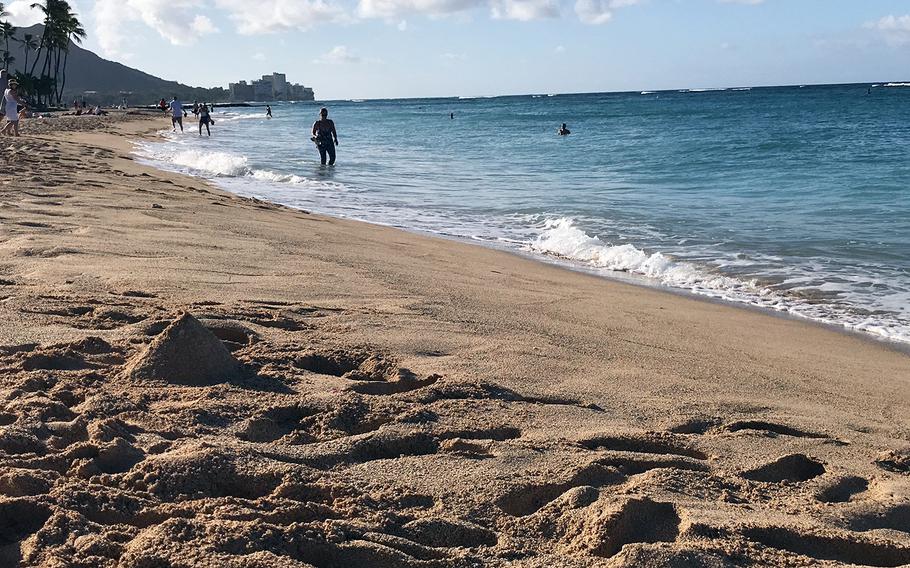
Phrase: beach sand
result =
(191, 378)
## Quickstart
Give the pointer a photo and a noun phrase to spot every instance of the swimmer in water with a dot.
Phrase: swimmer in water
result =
(563, 130)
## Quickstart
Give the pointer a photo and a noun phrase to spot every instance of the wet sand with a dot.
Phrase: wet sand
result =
(191, 378)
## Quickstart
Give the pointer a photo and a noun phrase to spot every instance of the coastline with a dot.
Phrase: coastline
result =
(563, 399)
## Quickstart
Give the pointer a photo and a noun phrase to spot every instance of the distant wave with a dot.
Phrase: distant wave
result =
(741, 89)
(230, 117)
(647, 92)
(897, 84)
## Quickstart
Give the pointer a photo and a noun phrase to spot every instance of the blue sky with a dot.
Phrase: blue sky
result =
(408, 48)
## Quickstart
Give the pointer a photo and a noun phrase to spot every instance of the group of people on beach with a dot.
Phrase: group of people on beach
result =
(11, 103)
(201, 113)
(323, 132)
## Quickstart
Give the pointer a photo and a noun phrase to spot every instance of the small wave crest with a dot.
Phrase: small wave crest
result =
(210, 163)
(214, 163)
(561, 238)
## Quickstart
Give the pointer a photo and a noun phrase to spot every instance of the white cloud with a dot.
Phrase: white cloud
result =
(525, 10)
(259, 56)
(559, 49)
(599, 11)
(895, 29)
(395, 9)
(202, 25)
(454, 56)
(21, 13)
(750, 2)
(177, 21)
(183, 22)
(266, 16)
(340, 54)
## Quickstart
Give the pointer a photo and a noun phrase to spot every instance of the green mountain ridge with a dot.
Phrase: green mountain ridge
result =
(101, 81)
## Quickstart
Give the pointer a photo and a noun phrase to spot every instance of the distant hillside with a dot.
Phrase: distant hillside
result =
(85, 71)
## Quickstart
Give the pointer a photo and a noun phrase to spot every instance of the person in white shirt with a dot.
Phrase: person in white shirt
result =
(176, 114)
(11, 102)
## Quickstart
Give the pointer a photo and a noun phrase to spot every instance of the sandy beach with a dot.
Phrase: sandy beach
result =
(192, 378)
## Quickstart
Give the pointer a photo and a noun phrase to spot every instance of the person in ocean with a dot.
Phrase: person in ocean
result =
(205, 119)
(268, 111)
(325, 137)
(177, 113)
(563, 130)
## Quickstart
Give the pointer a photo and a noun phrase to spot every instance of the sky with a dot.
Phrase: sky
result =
(419, 48)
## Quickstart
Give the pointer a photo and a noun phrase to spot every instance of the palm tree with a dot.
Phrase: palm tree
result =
(29, 43)
(60, 28)
(7, 32)
(8, 60)
(74, 33)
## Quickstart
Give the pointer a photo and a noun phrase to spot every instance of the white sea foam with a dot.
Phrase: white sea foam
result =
(235, 117)
(647, 92)
(266, 175)
(214, 163)
(219, 164)
(897, 84)
(561, 238)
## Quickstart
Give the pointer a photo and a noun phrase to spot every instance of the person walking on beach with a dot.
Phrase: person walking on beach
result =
(204, 119)
(268, 111)
(11, 102)
(176, 114)
(325, 137)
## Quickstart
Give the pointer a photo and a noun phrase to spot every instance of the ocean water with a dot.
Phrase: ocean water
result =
(794, 199)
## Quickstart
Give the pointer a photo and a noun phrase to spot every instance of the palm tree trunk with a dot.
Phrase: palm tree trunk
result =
(66, 55)
(56, 75)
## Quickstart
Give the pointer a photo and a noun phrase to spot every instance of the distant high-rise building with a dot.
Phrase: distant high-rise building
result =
(274, 87)
(241, 91)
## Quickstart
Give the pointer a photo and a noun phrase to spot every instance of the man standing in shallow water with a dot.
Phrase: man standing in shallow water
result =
(176, 114)
(325, 137)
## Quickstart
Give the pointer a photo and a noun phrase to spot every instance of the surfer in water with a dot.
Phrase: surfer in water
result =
(325, 137)
(563, 130)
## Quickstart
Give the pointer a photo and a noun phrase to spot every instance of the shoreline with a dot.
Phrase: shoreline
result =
(357, 395)
(622, 277)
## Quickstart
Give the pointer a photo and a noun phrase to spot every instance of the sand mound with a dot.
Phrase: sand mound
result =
(186, 353)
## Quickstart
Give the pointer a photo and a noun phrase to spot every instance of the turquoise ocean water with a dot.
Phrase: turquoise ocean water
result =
(794, 199)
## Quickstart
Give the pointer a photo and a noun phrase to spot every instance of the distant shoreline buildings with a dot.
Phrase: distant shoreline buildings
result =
(274, 87)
